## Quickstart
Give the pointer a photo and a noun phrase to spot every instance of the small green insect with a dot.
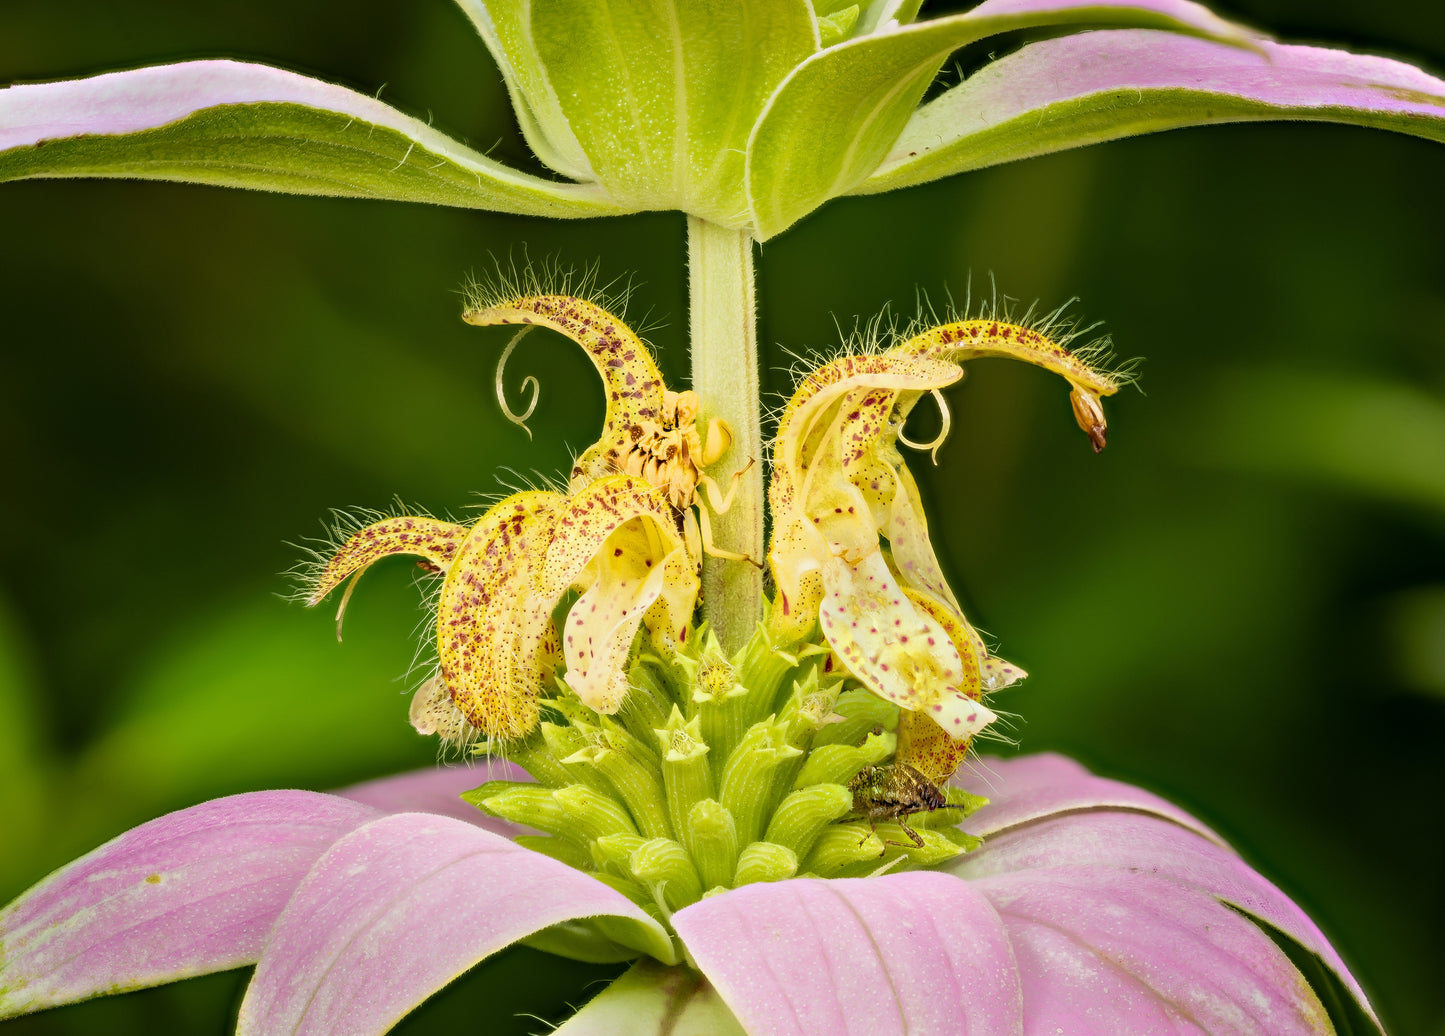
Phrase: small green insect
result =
(895, 791)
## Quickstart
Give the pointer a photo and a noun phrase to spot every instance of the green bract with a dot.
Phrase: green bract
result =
(717, 773)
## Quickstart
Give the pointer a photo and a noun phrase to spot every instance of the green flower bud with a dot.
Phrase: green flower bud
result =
(765, 861)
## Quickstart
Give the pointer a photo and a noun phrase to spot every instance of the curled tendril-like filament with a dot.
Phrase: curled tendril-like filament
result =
(520, 420)
(935, 444)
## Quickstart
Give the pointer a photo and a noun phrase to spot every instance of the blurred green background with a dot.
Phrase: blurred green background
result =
(1240, 604)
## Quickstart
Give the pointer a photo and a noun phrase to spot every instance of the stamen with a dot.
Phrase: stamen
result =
(938, 441)
(345, 600)
(517, 419)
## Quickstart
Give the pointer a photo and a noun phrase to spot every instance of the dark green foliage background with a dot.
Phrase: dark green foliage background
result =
(1240, 604)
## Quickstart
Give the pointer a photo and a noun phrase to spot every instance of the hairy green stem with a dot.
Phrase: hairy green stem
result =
(724, 342)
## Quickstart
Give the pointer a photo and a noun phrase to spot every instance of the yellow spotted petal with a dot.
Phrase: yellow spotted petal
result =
(434, 541)
(829, 517)
(602, 625)
(432, 712)
(922, 743)
(997, 674)
(907, 532)
(967, 339)
(994, 674)
(896, 650)
(925, 746)
(495, 636)
(630, 379)
(806, 418)
(591, 515)
(827, 432)
(797, 581)
(618, 537)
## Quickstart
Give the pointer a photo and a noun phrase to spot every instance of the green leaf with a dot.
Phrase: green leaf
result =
(663, 96)
(1098, 86)
(881, 12)
(833, 120)
(244, 125)
(503, 25)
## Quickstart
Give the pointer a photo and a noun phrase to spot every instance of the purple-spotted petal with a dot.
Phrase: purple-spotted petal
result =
(1101, 950)
(1032, 787)
(438, 789)
(402, 906)
(188, 893)
(906, 953)
(1134, 842)
(1096, 86)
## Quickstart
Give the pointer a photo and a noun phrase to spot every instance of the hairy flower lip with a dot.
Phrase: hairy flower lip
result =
(925, 951)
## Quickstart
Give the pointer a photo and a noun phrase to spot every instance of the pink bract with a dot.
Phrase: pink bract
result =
(1093, 906)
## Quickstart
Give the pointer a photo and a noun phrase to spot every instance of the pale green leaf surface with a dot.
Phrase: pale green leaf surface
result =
(663, 97)
(1099, 86)
(835, 118)
(651, 998)
(504, 27)
(880, 12)
(242, 125)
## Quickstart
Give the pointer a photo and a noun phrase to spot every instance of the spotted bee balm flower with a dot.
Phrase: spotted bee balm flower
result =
(775, 836)
(763, 809)
(629, 533)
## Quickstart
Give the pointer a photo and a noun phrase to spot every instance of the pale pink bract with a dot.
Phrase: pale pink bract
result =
(1093, 906)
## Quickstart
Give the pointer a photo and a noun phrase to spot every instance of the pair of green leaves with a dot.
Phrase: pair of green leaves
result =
(749, 115)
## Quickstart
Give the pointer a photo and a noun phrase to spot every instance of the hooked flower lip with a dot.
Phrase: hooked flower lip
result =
(851, 548)
(627, 535)
(357, 906)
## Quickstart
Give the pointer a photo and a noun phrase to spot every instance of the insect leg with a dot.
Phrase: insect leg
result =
(712, 548)
(719, 501)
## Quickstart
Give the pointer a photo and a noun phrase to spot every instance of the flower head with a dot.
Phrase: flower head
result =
(778, 837)
(770, 830)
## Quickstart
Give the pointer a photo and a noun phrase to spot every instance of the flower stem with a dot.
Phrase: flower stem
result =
(723, 326)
